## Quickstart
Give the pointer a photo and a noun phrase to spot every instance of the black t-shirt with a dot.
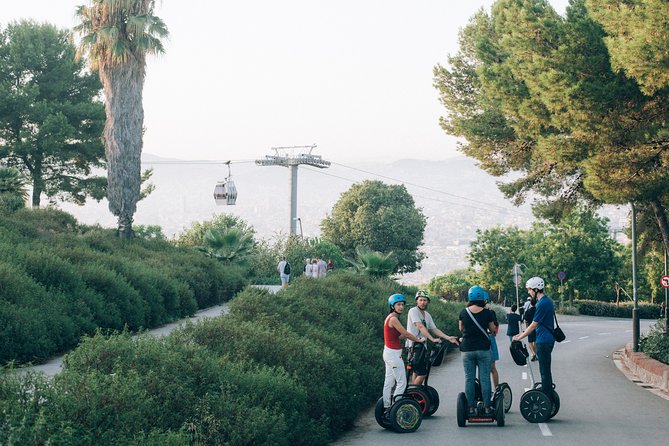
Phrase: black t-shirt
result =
(473, 338)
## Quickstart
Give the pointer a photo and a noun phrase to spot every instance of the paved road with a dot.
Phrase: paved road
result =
(54, 365)
(599, 404)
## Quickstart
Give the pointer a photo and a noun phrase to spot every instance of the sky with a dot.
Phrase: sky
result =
(353, 77)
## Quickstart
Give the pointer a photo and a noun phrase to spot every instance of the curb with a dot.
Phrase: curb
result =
(650, 370)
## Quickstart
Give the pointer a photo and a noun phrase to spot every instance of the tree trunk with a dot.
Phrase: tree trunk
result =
(123, 85)
(661, 217)
(38, 183)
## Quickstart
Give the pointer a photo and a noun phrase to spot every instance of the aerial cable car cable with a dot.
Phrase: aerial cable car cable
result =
(496, 208)
(423, 187)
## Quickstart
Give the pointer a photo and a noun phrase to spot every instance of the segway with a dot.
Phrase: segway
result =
(502, 389)
(535, 406)
(404, 415)
(479, 416)
(425, 395)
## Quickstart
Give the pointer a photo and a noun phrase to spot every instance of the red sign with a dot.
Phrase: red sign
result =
(664, 281)
(562, 275)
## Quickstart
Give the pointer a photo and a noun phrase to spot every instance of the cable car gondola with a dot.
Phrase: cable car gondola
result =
(225, 192)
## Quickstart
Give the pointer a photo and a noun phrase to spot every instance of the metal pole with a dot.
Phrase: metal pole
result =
(635, 309)
(293, 199)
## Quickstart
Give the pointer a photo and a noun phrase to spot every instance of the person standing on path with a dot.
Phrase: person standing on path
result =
(284, 271)
(421, 324)
(393, 333)
(528, 317)
(543, 323)
(513, 323)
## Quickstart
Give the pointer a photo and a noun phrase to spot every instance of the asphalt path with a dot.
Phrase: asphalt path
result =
(600, 405)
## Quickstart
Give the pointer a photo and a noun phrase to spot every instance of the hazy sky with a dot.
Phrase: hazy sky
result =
(240, 77)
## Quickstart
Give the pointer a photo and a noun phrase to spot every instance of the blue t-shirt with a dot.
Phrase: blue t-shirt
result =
(544, 317)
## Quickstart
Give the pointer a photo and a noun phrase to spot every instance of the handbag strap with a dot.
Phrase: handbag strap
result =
(485, 333)
(556, 324)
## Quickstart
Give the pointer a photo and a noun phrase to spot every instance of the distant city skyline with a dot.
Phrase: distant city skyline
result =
(237, 78)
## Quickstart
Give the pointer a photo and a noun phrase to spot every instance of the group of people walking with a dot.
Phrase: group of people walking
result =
(316, 267)
(478, 326)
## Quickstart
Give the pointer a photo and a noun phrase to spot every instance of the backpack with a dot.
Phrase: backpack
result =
(519, 352)
(286, 268)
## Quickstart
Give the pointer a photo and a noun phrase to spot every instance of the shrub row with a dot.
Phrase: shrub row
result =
(296, 368)
(61, 281)
(624, 310)
(656, 343)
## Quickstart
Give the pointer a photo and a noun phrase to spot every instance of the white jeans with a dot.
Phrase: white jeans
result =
(395, 374)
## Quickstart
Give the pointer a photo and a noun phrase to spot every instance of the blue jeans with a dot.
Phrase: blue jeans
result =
(544, 351)
(482, 360)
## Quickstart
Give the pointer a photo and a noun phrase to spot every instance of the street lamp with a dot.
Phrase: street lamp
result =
(635, 309)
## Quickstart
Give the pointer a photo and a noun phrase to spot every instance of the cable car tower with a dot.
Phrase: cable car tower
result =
(287, 157)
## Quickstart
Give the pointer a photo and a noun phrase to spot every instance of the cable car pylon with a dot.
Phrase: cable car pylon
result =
(284, 156)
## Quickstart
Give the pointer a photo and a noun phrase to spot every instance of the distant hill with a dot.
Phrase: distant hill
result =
(456, 196)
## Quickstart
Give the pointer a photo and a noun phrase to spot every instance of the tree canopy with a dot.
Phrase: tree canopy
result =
(563, 102)
(51, 118)
(578, 245)
(381, 218)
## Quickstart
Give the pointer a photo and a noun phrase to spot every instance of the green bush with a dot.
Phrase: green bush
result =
(62, 280)
(623, 310)
(656, 343)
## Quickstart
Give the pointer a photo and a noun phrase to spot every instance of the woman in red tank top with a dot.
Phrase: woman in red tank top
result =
(393, 333)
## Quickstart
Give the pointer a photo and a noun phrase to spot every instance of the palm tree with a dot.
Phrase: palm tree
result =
(230, 245)
(13, 182)
(373, 263)
(117, 35)
(13, 191)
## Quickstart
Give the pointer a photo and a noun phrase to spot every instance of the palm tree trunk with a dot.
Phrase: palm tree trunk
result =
(123, 85)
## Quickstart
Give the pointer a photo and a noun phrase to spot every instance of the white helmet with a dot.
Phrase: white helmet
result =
(535, 283)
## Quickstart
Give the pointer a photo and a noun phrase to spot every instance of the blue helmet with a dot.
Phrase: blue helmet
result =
(476, 293)
(486, 296)
(392, 300)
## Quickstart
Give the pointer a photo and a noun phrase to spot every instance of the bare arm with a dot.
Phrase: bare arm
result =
(396, 324)
(443, 335)
(533, 326)
(426, 333)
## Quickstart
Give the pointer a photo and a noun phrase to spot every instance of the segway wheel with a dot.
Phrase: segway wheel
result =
(384, 422)
(505, 391)
(499, 410)
(556, 404)
(405, 416)
(535, 406)
(420, 395)
(463, 406)
(434, 400)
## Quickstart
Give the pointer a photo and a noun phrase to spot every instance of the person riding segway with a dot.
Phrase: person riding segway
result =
(476, 354)
(543, 323)
(420, 358)
(396, 410)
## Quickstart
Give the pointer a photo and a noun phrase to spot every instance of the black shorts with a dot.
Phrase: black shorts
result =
(419, 358)
(532, 337)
